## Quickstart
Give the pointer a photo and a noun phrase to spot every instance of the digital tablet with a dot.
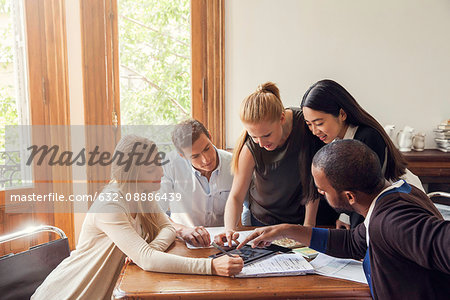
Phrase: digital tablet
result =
(251, 255)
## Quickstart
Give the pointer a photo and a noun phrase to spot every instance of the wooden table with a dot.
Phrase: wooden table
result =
(134, 283)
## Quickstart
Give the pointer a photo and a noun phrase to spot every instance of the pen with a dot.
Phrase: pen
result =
(221, 249)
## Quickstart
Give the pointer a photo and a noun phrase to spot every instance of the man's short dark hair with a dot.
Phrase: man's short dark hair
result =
(350, 165)
(187, 133)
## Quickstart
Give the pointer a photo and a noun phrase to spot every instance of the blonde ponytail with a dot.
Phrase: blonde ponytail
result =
(262, 105)
(269, 87)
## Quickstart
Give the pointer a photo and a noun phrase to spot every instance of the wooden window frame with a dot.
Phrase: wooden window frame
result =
(99, 30)
(49, 105)
(100, 65)
(208, 66)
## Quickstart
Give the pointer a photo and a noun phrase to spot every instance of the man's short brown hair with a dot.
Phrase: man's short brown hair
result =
(187, 133)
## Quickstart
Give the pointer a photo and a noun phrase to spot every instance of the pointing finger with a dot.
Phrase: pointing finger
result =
(258, 241)
(250, 237)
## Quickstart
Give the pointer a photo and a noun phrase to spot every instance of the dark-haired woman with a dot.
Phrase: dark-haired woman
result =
(331, 112)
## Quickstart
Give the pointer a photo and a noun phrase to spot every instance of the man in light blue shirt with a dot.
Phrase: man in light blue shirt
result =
(196, 183)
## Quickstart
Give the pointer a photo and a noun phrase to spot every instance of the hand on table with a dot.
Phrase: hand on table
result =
(227, 266)
(197, 236)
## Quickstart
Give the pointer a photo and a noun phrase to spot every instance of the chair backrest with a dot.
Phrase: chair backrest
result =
(22, 273)
(440, 197)
(442, 202)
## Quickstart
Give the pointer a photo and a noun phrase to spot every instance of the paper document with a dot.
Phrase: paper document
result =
(213, 231)
(444, 210)
(286, 264)
(339, 268)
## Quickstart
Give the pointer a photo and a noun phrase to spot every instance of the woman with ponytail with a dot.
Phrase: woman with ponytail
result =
(119, 226)
(269, 164)
(330, 113)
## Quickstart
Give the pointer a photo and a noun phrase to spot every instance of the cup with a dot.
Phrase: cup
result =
(419, 141)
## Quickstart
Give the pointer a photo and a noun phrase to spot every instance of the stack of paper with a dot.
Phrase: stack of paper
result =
(286, 264)
(442, 136)
(339, 268)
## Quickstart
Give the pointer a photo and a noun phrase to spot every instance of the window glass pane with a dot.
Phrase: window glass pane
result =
(14, 103)
(155, 61)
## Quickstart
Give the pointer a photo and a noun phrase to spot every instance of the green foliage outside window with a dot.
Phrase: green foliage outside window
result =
(8, 105)
(8, 112)
(155, 61)
(5, 7)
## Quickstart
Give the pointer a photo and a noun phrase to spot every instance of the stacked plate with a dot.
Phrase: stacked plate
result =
(442, 136)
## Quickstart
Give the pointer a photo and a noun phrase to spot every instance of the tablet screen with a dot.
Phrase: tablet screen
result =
(250, 255)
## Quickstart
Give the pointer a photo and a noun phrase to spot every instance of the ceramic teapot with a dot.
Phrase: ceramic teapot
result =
(390, 131)
(404, 139)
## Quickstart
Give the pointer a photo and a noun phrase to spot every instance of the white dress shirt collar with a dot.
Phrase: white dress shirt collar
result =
(350, 132)
(372, 206)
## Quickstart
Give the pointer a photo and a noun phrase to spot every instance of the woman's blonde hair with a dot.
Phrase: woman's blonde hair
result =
(262, 105)
(126, 175)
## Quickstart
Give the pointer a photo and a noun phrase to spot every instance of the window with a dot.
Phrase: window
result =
(14, 100)
(44, 75)
(101, 61)
(155, 61)
(101, 71)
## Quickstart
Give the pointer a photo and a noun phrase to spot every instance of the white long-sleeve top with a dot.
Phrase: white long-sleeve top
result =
(107, 235)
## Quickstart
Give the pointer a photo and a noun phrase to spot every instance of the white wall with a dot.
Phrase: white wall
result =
(392, 56)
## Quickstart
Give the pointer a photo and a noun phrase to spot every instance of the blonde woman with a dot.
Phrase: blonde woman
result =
(272, 164)
(116, 227)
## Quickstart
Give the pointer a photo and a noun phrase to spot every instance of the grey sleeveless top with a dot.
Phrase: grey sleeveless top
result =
(275, 193)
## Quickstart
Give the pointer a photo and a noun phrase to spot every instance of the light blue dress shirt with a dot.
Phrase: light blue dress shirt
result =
(189, 198)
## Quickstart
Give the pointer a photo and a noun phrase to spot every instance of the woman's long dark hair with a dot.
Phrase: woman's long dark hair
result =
(309, 146)
(330, 97)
